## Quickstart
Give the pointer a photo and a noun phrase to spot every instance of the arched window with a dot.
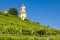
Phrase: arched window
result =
(24, 8)
(22, 16)
(21, 8)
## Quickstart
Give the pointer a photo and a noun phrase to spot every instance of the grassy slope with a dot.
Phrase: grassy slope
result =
(13, 24)
(8, 21)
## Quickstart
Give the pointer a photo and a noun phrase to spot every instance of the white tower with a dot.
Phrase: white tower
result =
(23, 12)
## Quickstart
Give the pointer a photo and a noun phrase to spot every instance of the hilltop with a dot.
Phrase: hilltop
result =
(10, 24)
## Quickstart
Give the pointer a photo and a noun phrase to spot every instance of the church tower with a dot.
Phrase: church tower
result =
(23, 12)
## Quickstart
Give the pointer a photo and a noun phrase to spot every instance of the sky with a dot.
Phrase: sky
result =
(46, 12)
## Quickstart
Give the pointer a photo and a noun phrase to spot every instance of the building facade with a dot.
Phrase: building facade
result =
(23, 12)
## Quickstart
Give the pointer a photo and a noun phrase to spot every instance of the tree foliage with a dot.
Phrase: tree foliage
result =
(13, 11)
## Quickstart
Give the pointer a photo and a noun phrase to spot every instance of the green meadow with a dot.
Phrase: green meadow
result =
(25, 29)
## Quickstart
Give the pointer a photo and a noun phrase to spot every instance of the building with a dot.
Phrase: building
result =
(23, 12)
(5, 11)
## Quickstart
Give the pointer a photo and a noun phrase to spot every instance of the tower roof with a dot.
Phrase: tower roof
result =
(22, 5)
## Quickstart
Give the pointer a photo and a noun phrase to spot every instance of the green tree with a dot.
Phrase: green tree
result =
(41, 32)
(13, 11)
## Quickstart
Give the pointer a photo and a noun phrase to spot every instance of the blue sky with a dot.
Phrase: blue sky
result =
(47, 12)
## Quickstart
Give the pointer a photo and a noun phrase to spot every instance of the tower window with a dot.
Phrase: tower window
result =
(24, 8)
(22, 16)
(21, 8)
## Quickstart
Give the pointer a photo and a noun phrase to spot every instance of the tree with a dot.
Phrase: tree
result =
(41, 32)
(13, 11)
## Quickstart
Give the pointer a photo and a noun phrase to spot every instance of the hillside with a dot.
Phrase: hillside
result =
(10, 24)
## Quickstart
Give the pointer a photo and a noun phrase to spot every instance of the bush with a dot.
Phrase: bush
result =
(13, 11)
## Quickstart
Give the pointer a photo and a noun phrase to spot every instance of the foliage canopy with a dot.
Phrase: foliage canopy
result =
(13, 11)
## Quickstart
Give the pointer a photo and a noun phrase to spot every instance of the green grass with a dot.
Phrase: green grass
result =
(10, 24)
(21, 38)
(28, 38)
(55, 37)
